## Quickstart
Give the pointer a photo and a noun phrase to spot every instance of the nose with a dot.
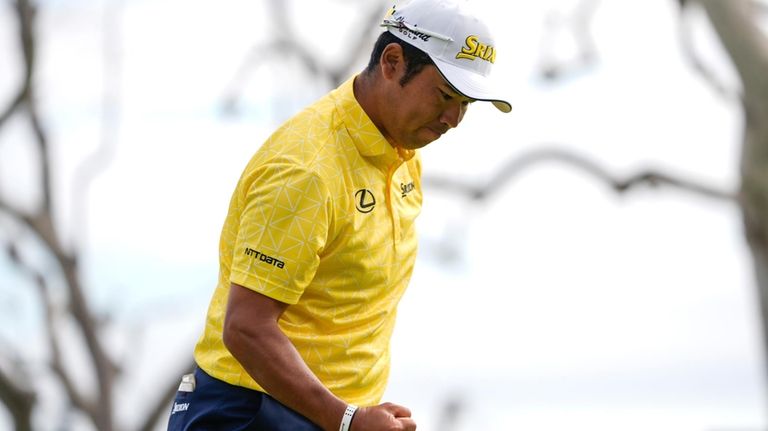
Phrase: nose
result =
(452, 114)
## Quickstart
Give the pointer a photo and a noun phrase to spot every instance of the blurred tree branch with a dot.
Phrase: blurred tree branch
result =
(685, 34)
(95, 403)
(159, 409)
(517, 166)
(562, 27)
(733, 20)
(25, 12)
(286, 41)
(96, 162)
(40, 222)
(736, 23)
(19, 400)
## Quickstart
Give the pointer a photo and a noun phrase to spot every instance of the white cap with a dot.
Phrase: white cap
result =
(461, 46)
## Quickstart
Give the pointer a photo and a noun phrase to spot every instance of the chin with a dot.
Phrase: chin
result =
(415, 145)
(423, 139)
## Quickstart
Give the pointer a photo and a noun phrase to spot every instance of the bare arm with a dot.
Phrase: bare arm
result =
(252, 335)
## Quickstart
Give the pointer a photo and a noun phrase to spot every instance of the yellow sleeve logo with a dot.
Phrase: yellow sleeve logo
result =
(474, 49)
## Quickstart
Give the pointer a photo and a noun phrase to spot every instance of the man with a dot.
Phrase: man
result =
(319, 241)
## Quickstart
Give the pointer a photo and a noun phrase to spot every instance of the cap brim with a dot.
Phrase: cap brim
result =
(472, 85)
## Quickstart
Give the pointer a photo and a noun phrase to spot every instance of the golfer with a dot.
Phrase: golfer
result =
(319, 243)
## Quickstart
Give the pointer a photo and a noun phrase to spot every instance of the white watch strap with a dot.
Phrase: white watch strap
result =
(346, 420)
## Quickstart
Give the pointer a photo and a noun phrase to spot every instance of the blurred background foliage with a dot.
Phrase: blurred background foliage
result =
(541, 299)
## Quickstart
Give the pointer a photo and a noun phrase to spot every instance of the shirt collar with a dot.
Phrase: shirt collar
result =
(367, 138)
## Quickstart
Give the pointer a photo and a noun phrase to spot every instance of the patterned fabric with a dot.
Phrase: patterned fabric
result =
(322, 219)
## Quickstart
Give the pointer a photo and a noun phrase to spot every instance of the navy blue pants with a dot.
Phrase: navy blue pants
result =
(216, 405)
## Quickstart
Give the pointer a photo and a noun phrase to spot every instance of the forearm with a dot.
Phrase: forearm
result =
(252, 335)
(272, 360)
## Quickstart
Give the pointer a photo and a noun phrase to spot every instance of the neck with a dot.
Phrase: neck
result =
(367, 94)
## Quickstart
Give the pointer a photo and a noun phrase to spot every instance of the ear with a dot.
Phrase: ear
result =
(392, 62)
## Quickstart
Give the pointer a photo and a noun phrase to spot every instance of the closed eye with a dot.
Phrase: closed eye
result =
(446, 96)
(450, 96)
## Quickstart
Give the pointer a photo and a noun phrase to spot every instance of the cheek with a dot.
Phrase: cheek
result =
(412, 116)
(415, 113)
(424, 112)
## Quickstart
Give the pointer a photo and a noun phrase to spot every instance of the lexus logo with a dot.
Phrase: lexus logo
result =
(364, 201)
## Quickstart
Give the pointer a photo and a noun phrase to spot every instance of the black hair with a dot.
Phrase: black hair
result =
(415, 59)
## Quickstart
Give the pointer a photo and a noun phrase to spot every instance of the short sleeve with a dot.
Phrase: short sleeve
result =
(283, 227)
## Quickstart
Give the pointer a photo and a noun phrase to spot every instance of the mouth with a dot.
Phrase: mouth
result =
(438, 132)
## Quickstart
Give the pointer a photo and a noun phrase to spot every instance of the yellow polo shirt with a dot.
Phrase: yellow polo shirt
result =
(322, 219)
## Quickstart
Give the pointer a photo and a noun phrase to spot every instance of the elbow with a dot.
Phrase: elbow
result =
(234, 336)
(245, 337)
(250, 323)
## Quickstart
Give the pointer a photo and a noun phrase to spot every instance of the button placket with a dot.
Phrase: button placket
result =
(391, 195)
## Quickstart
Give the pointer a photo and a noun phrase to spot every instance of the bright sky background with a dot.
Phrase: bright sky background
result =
(557, 305)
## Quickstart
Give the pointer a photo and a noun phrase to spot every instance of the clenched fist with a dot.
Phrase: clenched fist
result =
(384, 417)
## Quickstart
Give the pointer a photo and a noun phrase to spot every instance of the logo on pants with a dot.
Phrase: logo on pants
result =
(180, 407)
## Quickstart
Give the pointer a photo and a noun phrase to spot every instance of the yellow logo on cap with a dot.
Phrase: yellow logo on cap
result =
(390, 12)
(474, 49)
